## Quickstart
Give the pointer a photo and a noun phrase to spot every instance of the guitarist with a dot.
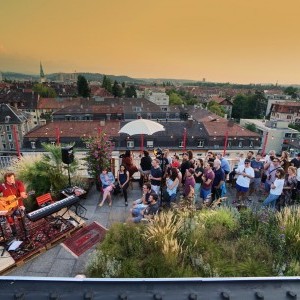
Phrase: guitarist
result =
(14, 187)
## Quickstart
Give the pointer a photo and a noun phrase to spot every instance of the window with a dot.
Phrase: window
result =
(288, 117)
(229, 144)
(149, 144)
(251, 144)
(4, 146)
(181, 144)
(32, 145)
(200, 144)
(130, 144)
(9, 136)
(7, 128)
(149, 116)
(11, 146)
(288, 135)
(240, 144)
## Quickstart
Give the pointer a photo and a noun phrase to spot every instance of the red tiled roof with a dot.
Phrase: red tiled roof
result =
(75, 129)
(57, 103)
(220, 128)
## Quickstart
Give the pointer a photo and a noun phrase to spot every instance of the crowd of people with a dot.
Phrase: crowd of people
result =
(164, 177)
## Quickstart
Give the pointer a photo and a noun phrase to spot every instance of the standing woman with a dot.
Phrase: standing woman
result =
(276, 189)
(123, 180)
(284, 161)
(172, 183)
(289, 188)
(128, 162)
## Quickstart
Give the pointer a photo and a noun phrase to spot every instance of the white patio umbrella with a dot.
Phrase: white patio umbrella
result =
(141, 126)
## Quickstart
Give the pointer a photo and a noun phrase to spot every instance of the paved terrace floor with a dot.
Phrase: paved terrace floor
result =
(58, 262)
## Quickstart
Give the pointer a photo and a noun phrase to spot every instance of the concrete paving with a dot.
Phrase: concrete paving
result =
(58, 262)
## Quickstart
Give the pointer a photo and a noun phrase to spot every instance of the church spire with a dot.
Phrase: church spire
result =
(42, 75)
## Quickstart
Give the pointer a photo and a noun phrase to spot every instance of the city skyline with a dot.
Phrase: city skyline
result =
(221, 41)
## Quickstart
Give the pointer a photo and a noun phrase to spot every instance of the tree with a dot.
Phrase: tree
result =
(116, 90)
(130, 92)
(251, 127)
(216, 108)
(106, 83)
(44, 91)
(83, 87)
(175, 99)
(291, 91)
(239, 106)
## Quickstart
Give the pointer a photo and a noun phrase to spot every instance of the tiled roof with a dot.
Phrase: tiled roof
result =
(11, 115)
(220, 128)
(57, 103)
(75, 129)
(90, 109)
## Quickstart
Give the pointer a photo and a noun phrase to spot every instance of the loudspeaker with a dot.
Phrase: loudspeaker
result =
(67, 155)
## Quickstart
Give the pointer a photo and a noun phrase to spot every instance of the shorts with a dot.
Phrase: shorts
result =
(205, 194)
(241, 188)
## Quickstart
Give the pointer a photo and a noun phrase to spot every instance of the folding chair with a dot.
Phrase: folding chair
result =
(44, 200)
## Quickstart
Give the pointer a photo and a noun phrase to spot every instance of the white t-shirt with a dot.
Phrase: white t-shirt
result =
(244, 181)
(298, 174)
(278, 187)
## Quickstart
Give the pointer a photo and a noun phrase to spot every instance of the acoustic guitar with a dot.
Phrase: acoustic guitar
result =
(11, 202)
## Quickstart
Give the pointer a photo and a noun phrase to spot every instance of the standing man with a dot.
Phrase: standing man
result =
(258, 168)
(207, 181)
(245, 174)
(185, 165)
(13, 187)
(155, 176)
(218, 181)
(295, 162)
(224, 164)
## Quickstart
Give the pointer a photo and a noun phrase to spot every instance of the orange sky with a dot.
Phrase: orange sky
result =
(241, 41)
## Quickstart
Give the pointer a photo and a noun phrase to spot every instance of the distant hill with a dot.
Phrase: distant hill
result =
(19, 76)
(94, 77)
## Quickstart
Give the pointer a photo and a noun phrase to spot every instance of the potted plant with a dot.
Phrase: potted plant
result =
(98, 156)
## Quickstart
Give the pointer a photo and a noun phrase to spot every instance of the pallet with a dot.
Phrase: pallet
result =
(31, 256)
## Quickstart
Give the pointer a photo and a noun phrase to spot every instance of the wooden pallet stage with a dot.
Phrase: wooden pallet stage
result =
(72, 222)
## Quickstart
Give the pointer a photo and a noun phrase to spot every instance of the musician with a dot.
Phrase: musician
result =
(14, 187)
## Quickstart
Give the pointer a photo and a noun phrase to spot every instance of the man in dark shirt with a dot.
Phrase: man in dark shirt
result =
(150, 211)
(185, 165)
(218, 180)
(296, 161)
(155, 176)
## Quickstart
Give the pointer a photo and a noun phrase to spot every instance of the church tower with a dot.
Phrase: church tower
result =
(42, 75)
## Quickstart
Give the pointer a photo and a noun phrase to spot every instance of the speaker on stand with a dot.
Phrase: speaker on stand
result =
(67, 156)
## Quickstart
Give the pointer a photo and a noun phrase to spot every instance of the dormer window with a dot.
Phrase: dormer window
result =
(7, 119)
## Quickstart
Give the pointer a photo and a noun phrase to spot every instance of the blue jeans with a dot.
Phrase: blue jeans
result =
(197, 191)
(271, 200)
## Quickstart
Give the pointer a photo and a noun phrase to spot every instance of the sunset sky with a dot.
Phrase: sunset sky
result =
(234, 41)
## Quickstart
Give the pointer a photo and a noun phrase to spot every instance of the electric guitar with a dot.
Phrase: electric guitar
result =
(11, 202)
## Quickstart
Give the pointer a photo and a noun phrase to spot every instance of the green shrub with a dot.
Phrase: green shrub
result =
(101, 265)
